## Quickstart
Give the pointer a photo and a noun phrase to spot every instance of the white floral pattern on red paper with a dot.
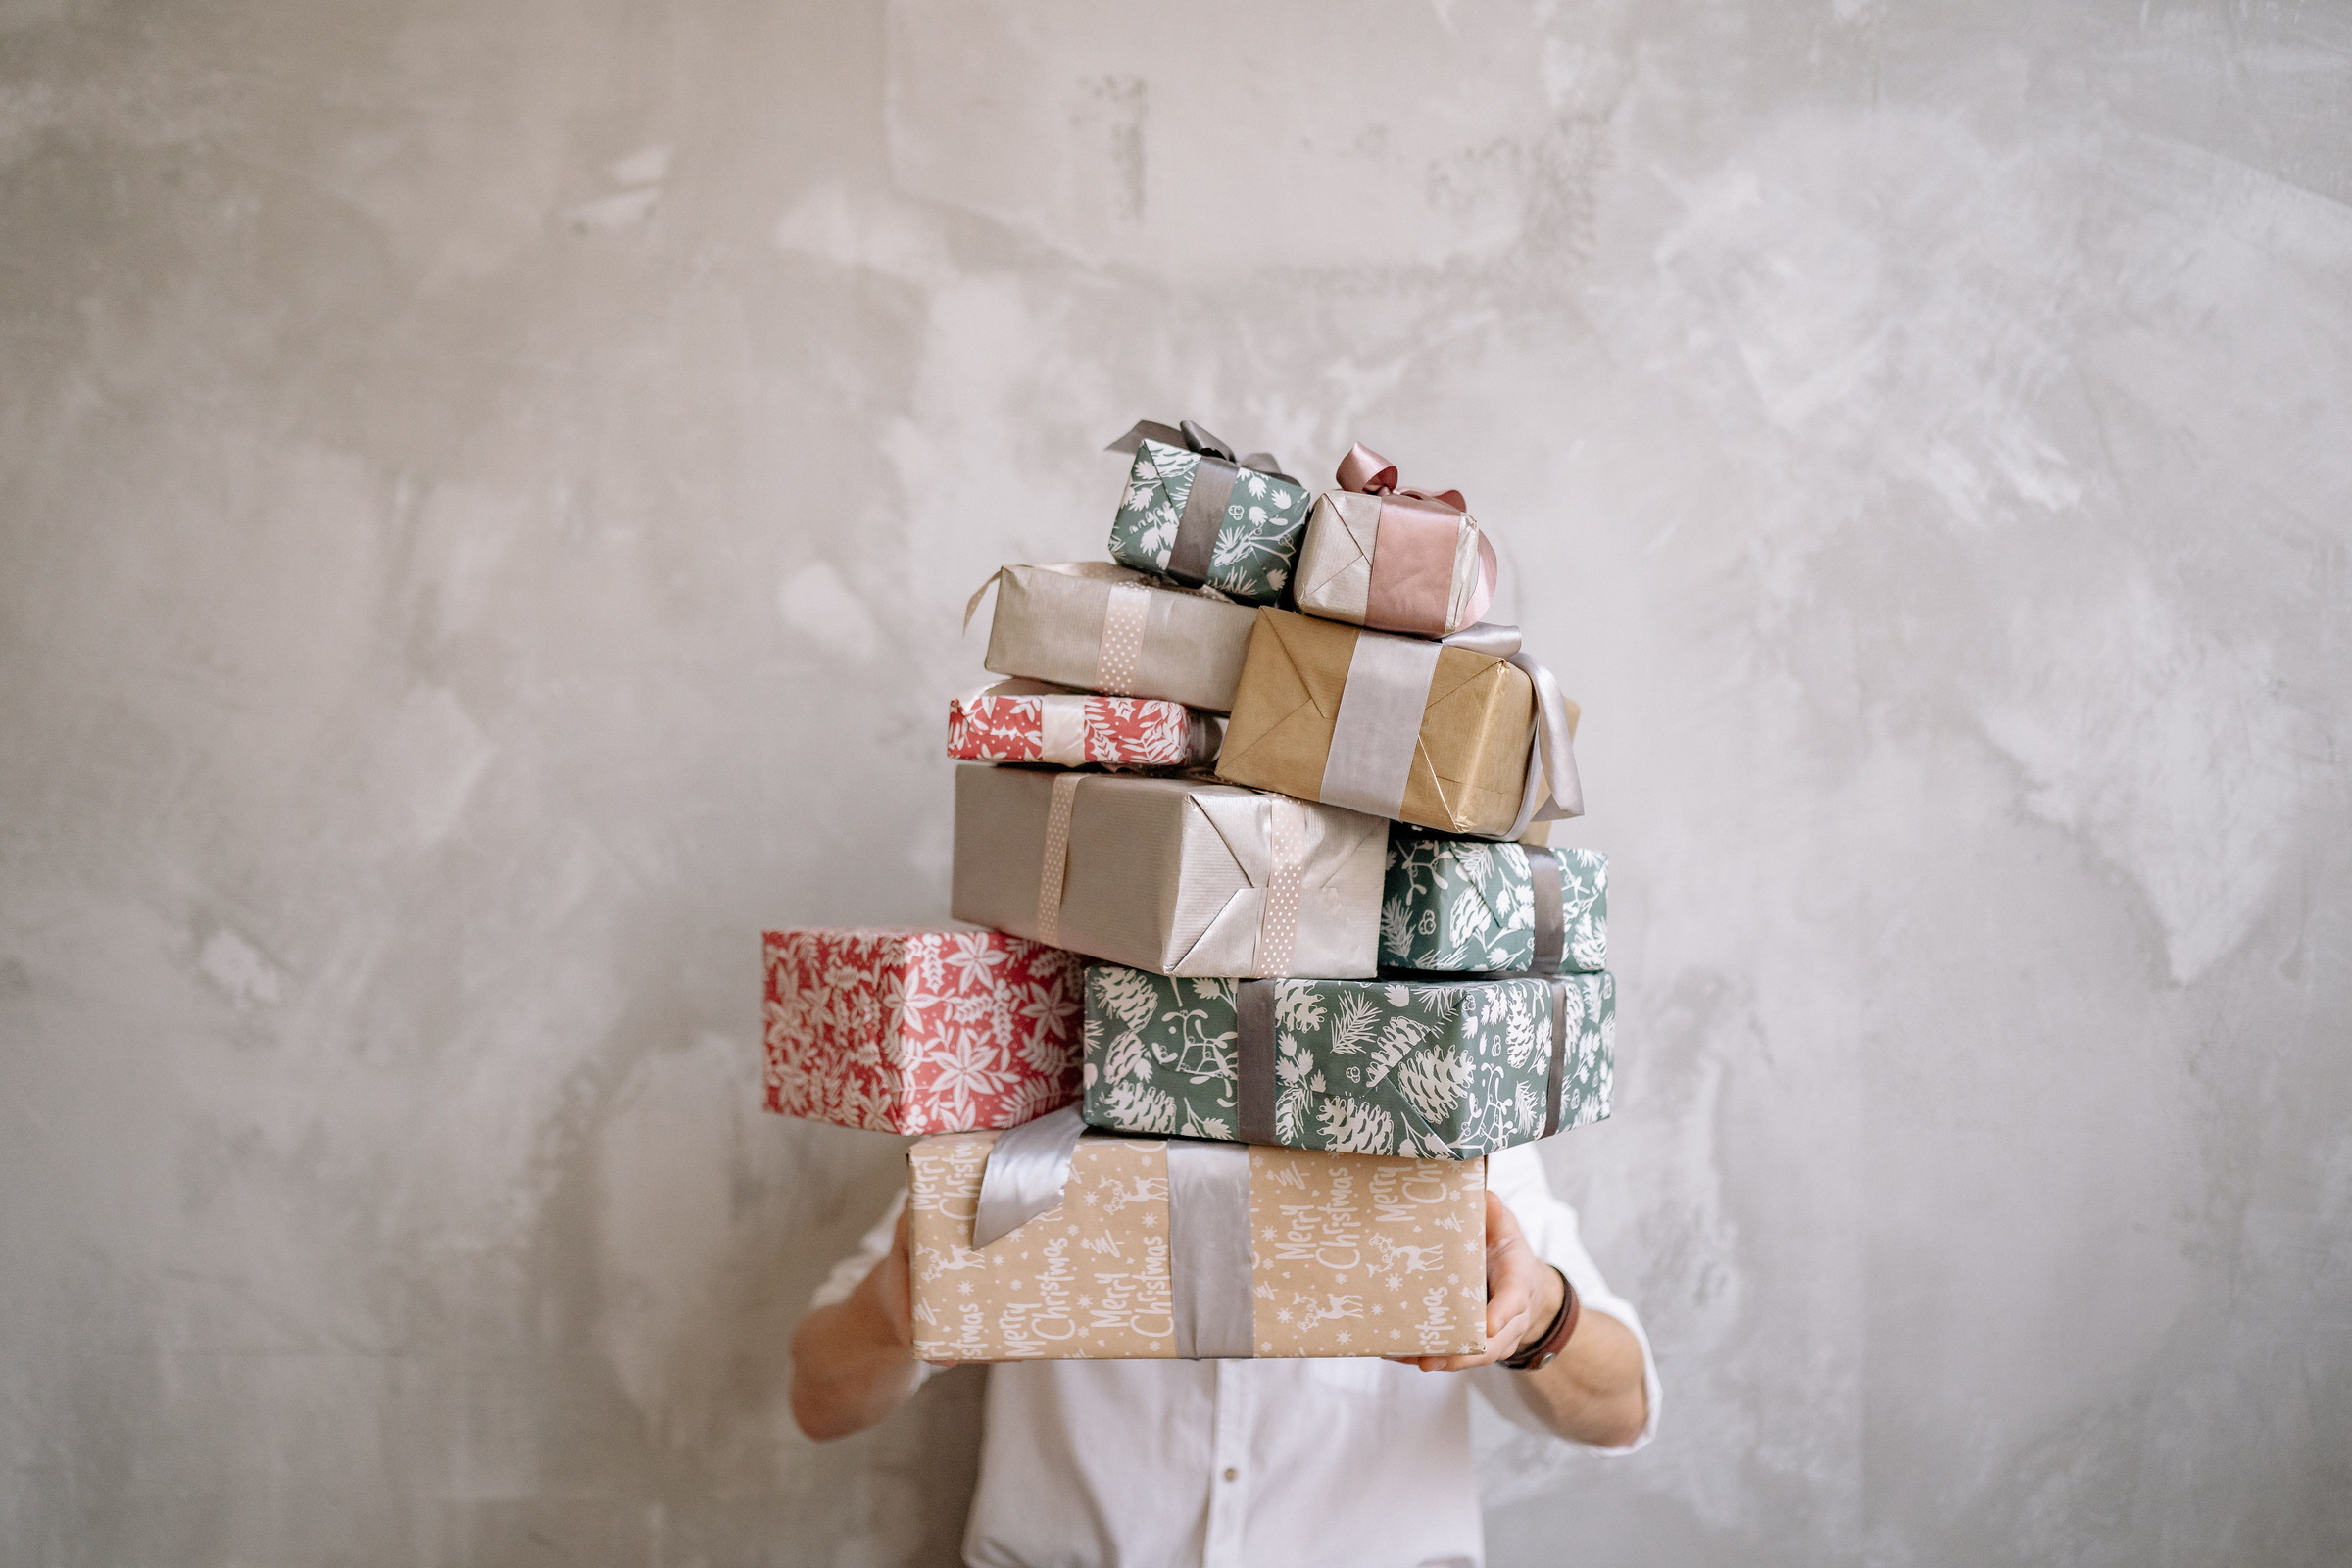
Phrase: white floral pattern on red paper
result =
(920, 1031)
(995, 726)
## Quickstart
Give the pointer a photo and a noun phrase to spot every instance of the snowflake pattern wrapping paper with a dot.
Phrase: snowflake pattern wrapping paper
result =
(1466, 906)
(1030, 721)
(1347, 1257)
(1257, 547)
(1448, 1069)
(901, 1031)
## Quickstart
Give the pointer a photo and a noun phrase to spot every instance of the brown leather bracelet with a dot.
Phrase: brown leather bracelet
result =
(1535, 1358)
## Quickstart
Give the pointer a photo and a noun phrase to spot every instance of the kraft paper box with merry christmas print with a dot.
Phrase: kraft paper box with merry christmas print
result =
(1468, 735)
(1466, 906)
(1441, 1068)
(1159, 1250)
(904, 1031)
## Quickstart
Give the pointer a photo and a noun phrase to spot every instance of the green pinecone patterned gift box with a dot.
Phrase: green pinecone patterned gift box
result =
(1467, 906)
(1257, 546)
(1435, 1069)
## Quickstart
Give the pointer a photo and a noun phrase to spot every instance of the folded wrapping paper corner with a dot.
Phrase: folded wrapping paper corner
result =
(910, 1031)
(1440, 1069)
(1176, 875)
(1467, 735)
(1135, 1250)
(1102, 628)
(1470, 906)
(1396, 560)
(1193, 512)
(1033, 721)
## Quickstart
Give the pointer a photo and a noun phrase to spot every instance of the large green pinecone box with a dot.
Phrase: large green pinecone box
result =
(1435, 1069)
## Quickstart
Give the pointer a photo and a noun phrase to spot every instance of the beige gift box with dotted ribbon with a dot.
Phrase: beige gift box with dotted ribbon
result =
(1345, 1255)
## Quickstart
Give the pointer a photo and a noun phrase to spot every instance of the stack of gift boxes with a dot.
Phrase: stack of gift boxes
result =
(1271, 953)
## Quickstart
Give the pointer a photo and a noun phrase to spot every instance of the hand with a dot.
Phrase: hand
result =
(889, 1286)
(1523, 1294)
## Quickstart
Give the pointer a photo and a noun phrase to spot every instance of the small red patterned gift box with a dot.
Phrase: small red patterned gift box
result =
(1030, 721)
(921, 1031)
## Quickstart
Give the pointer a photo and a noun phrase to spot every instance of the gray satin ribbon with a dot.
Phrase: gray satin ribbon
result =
(1207, 504)
(1560, 1055)
(1208, 1249)
(1551, 923)
(1253, 1059)
(1253, 1055)
(1026, 1171)
(1209, 1223)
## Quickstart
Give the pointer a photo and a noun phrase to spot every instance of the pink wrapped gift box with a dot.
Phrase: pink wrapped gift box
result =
(1030, 721)
(904, 1031)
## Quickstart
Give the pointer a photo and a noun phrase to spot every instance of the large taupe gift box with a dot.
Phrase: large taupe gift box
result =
(1168, 1249)
(1175, 875)
(1102, 628)
(1466, 735)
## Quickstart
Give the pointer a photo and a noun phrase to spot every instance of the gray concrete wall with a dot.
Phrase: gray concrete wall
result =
(486, 493)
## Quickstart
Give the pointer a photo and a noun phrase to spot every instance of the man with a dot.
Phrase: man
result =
(1288, 1464)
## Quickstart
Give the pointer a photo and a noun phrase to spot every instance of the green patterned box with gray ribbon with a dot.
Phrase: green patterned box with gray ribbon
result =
(1195, 513)
(1435, 1069)
(1468, 906)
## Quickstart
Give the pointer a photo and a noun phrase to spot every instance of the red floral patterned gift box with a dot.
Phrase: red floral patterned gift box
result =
(904, 1031)
(1030, 721)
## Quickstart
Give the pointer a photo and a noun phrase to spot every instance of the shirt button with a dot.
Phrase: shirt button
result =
(1233, 1475)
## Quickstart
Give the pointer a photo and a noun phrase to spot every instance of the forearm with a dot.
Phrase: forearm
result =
(1593, 1393)
(848, 1367)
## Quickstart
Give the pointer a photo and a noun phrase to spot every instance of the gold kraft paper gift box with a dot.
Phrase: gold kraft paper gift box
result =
(1325, 1256)
(1468, 759)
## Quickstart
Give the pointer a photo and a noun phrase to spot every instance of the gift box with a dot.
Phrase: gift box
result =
(902, 1031)
(1443, 1069)
(1467, 735)
(1031, 721)
(1195, 513)
(1176, 875)
(1042, 1244)
(1103, 628)
(1392, 560)
(1467, 905)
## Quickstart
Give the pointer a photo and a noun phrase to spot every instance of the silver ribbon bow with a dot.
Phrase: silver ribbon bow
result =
(1209, 1223)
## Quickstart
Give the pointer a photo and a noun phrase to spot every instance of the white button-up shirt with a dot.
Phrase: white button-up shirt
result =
(1294, 1463)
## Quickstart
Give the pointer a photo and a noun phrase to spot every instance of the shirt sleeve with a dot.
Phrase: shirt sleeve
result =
(851, 1271)
(1516, 1176)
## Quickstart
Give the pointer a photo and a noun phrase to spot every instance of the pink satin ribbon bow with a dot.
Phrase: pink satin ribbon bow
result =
(1366, 471)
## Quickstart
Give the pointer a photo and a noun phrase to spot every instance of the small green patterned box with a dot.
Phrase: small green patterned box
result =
(1435, 1069)
(1467, 906)
(1257, 547)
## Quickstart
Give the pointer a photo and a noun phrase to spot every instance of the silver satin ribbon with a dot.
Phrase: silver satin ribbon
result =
(1379, 724)
(1208, 1249)
(1026, 1171)
(1378, 728)
(1209, 1223)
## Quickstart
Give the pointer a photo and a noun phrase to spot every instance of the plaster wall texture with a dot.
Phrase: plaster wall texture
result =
(487, 491)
